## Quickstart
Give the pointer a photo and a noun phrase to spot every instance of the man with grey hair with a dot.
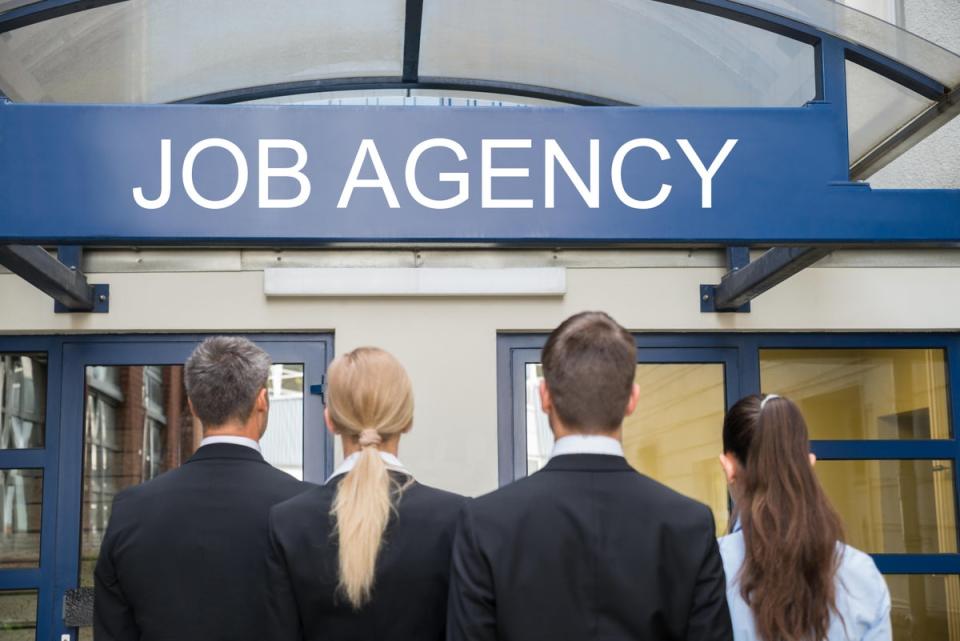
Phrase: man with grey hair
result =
(184, 554)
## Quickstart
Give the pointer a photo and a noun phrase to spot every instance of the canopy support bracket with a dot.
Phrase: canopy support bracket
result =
(62, 281)
(746, 280)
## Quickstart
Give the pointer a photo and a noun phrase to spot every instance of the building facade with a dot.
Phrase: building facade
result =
(866, 340)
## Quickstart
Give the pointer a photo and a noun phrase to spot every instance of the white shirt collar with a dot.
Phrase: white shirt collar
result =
(232, 440)
(393, 463)
(587, 444)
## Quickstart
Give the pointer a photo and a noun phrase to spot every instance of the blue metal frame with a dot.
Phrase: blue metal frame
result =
(514, 351)
(46, 459)
(61, 458)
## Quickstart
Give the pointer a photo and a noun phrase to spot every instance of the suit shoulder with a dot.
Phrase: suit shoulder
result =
(311, 498)
(674, 504)
(444, 497)
(286, 482)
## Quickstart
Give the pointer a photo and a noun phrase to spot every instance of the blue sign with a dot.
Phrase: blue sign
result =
(284, 175)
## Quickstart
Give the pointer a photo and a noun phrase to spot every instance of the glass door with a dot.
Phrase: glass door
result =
(126, 421)
(674, 436)
(28, 485)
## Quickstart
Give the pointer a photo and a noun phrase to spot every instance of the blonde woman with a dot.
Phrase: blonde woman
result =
(366, 556)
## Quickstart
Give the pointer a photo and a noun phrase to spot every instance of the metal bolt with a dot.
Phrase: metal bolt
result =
(706, 297)
(103, 298)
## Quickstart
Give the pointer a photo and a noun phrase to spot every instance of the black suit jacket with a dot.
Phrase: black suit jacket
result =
(183, 556)
(409, 599)
(587, 549)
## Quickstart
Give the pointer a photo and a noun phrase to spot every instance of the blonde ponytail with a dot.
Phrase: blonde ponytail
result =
(369, 399)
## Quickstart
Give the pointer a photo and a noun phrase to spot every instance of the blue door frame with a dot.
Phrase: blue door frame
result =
(740, 354)
(61, 458)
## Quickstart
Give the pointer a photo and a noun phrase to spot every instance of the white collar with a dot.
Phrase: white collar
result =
(393, 463)
(587, 444)
(232, 440)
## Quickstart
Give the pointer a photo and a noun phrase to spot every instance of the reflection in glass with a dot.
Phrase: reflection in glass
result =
(863, 393)
(593, 47)
(18, 615)
(877, 108)
(407, 98)
(924, 607)
(674, 436)
(894, 507)
(138, 425)
(21, 504)
(152, 52)
(23, 394)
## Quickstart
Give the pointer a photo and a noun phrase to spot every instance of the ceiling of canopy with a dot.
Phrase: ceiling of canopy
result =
(640, 52)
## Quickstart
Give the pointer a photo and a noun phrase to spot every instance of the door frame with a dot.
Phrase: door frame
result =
(516, 351)
(62, 455)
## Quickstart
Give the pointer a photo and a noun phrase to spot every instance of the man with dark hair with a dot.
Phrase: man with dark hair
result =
(184, 554)
(587, 548)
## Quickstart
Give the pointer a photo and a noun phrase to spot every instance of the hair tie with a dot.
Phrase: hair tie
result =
(766, 398)
(370, 438)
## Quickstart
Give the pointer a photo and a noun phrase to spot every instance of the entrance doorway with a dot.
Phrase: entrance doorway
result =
(85, 418)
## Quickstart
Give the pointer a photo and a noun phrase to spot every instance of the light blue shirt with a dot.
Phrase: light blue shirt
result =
(587, 444)
(863, 599)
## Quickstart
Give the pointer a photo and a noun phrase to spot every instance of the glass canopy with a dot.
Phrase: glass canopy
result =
(639, 52)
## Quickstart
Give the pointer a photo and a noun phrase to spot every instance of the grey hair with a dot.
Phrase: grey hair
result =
(223, 377)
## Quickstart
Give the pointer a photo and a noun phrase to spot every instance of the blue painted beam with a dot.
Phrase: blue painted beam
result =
(917, 563)
(80, 186)
(885, 450)
(740, 286)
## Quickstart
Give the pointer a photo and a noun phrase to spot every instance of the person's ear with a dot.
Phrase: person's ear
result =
(546, 402)
(813, 459)
(263, 400)
(634, 399)
(326, 419)
(729, 465)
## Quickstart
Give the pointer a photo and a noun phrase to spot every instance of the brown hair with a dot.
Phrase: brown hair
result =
(369, 396)
(791, 531)
(589, 363)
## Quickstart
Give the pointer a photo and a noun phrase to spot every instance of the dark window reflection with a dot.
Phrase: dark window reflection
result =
(924, 607)
(18, 615)
(20, 508)
(23, 392)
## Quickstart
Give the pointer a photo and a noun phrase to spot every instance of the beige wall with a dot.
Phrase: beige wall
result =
(449, 344)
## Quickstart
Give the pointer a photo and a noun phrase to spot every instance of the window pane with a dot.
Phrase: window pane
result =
(138, 426)
(631, 51)
(18, 615)
(863, 393)
(924, 607)
(20, 511)
(877, 108)
(894, 507)
(408, 98)
(674, 436)
(23, 395)
(282, 443)
(142, 51)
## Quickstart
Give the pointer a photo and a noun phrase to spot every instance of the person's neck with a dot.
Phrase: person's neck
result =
(351, 447)
(560, 431)
(240, 431)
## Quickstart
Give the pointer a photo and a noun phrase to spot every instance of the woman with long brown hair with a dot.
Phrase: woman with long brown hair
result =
(790, 577)
(366, 556)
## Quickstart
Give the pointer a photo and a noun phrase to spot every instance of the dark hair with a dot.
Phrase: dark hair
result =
(791, 531)
(589, 363)
(223, 376)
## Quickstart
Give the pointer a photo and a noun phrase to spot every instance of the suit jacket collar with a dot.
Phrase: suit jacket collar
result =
(587, 463)
(226, 451)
